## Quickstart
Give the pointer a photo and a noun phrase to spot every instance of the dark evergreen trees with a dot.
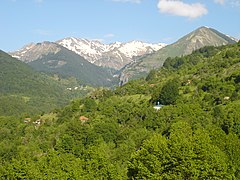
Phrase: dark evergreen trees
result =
(169, 92)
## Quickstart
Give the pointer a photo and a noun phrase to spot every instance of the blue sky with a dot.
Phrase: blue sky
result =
(25, 21)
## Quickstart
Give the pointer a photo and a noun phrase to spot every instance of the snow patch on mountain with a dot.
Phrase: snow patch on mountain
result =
(115, 55)
(100, 54)
(137, 48)
(84, 47)
(233, 38)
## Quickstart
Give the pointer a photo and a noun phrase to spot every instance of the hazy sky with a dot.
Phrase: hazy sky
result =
(25, 21)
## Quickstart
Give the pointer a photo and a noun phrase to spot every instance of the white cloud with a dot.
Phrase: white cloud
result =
(132, 1)
(179, 8)
(219, 1)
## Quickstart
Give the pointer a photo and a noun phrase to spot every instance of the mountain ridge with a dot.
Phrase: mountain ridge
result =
(105, 54)
(203, 36)
(53, 58)
(115, 55)
(133, 59)
(32, 52)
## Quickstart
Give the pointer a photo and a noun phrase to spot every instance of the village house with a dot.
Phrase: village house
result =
(27, 120)
(83, 119)
(158, 106)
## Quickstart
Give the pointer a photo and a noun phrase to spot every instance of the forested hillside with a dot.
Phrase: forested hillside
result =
(197, 39)
(119, 135)
(23, 90)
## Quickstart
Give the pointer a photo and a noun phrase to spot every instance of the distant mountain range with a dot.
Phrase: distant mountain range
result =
(200, 37)
(95, 63)
(115, 55)
(53, 58)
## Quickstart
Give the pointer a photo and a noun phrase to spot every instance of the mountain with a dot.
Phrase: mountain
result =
(24, 90)
(115, 55)
(121, 134)
(32, 52)
(200, 37)
(53, 58)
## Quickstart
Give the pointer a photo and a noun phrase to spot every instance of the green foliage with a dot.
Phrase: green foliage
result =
(74, 66)
(23, 90)
(119, 135)
(173, 62)
(186, 45)
(184, 155)
(151, 75)
(169, 92)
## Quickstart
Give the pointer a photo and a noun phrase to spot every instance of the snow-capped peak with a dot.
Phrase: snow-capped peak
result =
(94, 50)
(91, 50)
(114, 55)
(137, 48)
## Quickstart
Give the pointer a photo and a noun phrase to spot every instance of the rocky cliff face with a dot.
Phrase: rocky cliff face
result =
(32, 52)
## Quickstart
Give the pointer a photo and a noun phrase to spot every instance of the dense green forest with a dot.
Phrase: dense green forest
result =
(119, 135)
(23, 90)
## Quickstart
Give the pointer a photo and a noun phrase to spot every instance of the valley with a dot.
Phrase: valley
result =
(120, 90)
(117, 134)
(97, 64)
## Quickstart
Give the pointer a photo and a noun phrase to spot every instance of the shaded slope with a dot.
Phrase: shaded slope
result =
(25, 90)
(51, 57)
(67, 63)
